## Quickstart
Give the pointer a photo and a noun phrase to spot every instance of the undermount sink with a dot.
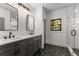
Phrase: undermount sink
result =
(16, 37)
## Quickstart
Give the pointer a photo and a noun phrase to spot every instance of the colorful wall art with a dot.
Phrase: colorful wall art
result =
(55, 24)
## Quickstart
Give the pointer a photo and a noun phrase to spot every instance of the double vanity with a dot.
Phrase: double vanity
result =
(20, 45)
(17, 45)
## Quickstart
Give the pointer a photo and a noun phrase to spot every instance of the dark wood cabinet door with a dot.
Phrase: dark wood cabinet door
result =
(8, 53)
(31, 46)
(22, 48)
(23, 51)
(37, 42)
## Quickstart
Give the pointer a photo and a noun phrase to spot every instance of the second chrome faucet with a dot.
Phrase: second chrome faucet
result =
(10, 34)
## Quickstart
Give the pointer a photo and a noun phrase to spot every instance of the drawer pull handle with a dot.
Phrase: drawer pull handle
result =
(16, 44)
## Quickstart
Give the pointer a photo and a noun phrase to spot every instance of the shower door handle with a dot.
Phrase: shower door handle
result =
(73, 32)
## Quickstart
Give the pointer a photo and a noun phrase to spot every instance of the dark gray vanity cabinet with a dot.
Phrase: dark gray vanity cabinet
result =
(31, 46)
(37, 42)
(8, 53)
(7, 50)
(19, 48)
(34, 44)
(25, 47)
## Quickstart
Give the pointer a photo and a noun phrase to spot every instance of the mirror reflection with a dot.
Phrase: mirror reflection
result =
(30, 24)
(8, 17)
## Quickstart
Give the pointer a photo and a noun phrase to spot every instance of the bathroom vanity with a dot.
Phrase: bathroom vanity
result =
(17, 46)
(21, 46)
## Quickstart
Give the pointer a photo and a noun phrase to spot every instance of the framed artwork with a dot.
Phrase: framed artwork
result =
(55, 24)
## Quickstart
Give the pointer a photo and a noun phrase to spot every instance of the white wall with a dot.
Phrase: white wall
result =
(70, 24)
(44, 16)
(39, 23)
(44, 13)
(56, 37)
(38, 20)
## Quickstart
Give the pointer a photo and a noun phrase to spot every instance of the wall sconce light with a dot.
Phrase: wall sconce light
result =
(23, 6)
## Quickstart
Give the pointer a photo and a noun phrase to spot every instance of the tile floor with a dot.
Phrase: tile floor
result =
(53, 50)
(76, 51)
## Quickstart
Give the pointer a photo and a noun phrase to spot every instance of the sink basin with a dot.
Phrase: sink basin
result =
(13, 38)
(16, 37)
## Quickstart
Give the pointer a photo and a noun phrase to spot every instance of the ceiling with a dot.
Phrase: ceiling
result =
(51, 6)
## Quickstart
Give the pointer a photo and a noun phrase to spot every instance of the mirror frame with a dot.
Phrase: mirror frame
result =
(10, 18)
(17, 17)
(27, 23)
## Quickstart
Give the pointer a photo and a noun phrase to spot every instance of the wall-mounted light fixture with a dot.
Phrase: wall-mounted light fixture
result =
(23, 6)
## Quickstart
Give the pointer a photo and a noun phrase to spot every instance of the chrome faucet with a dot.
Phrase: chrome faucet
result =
(10, 36)
(10, 33)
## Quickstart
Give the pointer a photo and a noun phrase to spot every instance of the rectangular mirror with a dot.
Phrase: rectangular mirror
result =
(8, 17)
(30, 23)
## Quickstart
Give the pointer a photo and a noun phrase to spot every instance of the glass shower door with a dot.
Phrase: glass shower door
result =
(77, 25)
(70, 26)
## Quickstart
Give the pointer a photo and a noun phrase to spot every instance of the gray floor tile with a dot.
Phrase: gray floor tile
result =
(53, 50)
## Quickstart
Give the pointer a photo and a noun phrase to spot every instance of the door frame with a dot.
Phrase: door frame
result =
(44, 31)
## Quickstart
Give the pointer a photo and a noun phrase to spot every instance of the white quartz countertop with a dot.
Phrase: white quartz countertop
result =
(17, 38)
